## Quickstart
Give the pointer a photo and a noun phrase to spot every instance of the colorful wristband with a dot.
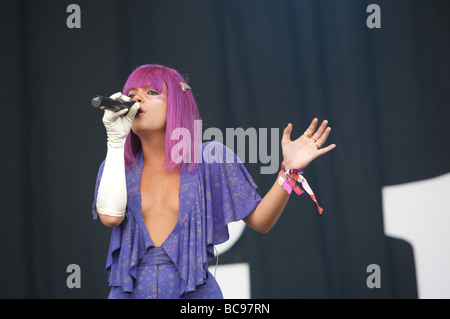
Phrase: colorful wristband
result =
(284, 183)
(293, 173)
(293, 176)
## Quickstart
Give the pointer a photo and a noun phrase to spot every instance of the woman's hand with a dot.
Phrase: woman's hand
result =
(299, 153)
(118, 126)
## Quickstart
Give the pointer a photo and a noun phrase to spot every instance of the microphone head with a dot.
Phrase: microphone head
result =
(103, 102)
(96, 101)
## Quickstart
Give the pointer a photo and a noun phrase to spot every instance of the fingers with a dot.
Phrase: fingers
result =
(130, 113)
(321, 135)
(326, 149)
(120, 96)
(115, 96)
(312, 127)
(110, 116)
(317, 136)
(125, 98)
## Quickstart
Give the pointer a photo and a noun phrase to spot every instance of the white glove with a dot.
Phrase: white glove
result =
(112, 191)
(118, 126)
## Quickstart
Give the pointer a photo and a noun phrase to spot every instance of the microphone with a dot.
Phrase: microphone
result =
(103, 102)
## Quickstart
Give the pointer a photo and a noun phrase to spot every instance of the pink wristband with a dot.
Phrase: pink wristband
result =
(289, 184)
(284, 183)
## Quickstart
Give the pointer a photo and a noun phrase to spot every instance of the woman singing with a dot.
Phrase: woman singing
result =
(167, 210)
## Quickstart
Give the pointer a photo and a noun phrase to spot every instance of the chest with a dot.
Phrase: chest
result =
(159, 190)
(160, 203)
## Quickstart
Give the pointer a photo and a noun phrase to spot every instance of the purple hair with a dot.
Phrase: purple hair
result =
(182, 111)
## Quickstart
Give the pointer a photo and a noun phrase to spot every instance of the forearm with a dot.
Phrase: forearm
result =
(112, 192)
(266, 214)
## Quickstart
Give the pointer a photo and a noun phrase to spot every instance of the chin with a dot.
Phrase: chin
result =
(144, 130)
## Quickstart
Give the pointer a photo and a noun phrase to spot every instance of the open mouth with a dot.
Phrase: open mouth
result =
(139, 113)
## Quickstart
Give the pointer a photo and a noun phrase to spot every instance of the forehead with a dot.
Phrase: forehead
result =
(144, 79)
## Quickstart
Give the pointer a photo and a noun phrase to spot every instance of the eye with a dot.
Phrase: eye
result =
(152, 92)
(131, 95)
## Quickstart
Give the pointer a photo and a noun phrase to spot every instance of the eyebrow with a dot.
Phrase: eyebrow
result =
(144, 88)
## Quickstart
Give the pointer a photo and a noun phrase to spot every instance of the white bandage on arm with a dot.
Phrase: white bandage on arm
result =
(112, 191)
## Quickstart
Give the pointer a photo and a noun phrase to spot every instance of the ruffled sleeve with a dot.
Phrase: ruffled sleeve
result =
(229, 190)
(219, 192)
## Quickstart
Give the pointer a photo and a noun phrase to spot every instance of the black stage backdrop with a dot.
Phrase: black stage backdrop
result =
(256, 64)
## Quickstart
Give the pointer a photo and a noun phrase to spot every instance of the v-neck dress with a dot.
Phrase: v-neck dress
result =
(218, 192)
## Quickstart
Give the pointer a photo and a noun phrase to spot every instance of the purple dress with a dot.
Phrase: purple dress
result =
(218, 192)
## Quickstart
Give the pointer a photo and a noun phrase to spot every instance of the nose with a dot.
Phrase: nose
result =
(136, 98)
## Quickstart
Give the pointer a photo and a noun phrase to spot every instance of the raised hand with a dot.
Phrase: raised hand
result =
(297, 154)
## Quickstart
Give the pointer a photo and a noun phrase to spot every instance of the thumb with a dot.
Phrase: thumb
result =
(287, 134)
(133, 110)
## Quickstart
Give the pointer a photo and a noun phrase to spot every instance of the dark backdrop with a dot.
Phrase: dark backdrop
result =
(255, 64)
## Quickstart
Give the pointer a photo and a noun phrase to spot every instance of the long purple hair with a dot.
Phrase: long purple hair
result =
(182, 111)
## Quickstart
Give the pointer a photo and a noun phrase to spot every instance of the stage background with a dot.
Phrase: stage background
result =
(250, 63)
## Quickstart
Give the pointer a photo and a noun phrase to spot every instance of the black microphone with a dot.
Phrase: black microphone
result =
(103, 102)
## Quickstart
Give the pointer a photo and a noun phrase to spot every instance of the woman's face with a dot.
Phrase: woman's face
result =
(153, 116)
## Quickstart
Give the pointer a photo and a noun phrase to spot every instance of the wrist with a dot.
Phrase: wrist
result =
(292, 172)
(286, 163)
(115, 148)
(288, 177)
(115, 143)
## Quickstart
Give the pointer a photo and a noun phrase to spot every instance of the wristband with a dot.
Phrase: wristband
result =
(290, 171)
(284, 183)
(293, 176)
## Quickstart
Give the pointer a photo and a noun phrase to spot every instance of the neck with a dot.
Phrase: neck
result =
(154, 150)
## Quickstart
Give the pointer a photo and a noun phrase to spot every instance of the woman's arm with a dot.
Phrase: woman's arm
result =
(110, 221)
(112, 191)
(297, 154)
(266, 214)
